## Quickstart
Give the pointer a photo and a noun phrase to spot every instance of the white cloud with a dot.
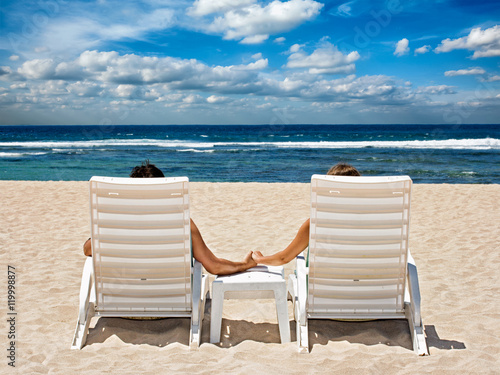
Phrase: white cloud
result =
(257, 65)
(280, 40)
(422, 50)
(132, 77)
(46, 90)
(325, 59)
(484, 43)
(437, 90)
(192, 99)
(16, 86)
(371, 89)
(101, 82)
(254, 23)
(402, 47)
(204, 7)
(14, 58)
(85, 89)
(213, 99)
(126, 91)
(254, 39)
(465, 72)
(38, 69)
(110, 67)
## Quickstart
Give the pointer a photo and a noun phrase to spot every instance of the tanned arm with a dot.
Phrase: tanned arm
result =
(201, 252)
(299, 243)
(213, 264)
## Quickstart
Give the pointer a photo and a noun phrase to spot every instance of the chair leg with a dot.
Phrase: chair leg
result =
(216, 314)
(302, 336)
(302, 330)
(198, 290)
(417, 333)
(205, 295)
(82, 329)
(282, 312)
(412, 309)
(292, 293)
(86, 310)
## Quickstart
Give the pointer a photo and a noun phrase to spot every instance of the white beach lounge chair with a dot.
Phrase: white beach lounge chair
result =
(142, 264)
(359, 264)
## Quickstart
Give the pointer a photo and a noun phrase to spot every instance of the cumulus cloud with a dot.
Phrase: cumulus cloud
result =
(368, 89)
(128, 91)
(484, 43)
(38, 69)
(280, 40)
(85, 89)
(133, 70)
(465, 72)
(422, 50)
(129, 80)
(257, 65)
(254, 23)
(402, 47)
(325, 59)
(193, 99)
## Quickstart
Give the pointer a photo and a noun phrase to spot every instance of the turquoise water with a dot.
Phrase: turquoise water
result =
(292, 153)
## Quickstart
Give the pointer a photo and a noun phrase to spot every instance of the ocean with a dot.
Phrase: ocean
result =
(465, 154)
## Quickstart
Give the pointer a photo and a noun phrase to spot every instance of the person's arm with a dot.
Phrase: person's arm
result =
(299, 243)
(213, 264)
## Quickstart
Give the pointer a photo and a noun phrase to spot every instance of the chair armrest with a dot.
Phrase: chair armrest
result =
(86, 287)
(302, 272)
(196, 290)
(414, 288)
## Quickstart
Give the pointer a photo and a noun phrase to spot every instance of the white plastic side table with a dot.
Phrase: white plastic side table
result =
(256, 283)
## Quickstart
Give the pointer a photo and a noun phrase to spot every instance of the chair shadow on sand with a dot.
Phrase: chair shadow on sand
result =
(388, 332)
(162, 332)
(157, 332)
(434, 340)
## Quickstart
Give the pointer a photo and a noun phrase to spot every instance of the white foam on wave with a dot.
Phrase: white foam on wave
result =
(19, 154)
(10, 154)
(107, 142)
(195, 150)
(474, 144)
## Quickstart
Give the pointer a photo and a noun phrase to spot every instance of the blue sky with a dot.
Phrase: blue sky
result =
(249, 62)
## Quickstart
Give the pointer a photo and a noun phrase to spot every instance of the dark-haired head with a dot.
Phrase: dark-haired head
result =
(146, 170)
(343, 169)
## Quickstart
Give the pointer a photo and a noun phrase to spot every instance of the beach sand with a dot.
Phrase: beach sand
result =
(454, 239)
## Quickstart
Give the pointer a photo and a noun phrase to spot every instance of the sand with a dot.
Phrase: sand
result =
(454, 239)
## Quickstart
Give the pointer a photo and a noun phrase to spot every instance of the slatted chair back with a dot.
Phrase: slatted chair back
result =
(358, 245)
(141, 243)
